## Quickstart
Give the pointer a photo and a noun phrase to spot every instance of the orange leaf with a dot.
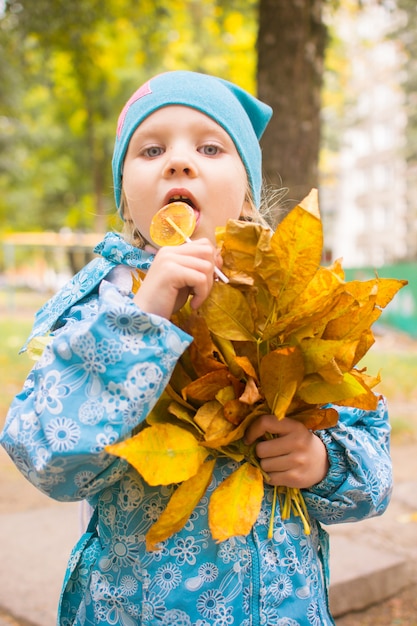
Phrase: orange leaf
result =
(235, 504)
(316, 419)
(235, 411)
(202, 350)
(281, 373)
(226, 351)
(180, 506)
(246, 366)
(208, 386)
(331, 373)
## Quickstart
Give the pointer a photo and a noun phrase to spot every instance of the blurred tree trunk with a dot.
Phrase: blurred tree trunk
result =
(291, 44)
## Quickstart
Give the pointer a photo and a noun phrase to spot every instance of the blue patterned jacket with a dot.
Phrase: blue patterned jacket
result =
(97, 380)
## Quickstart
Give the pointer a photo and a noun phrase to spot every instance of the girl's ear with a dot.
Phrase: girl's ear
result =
(248, 209)
(124, 208)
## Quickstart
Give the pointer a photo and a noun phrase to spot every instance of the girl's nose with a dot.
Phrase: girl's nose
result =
(180, 163)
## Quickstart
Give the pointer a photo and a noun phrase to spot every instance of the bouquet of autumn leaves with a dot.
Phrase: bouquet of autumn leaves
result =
(283, 337)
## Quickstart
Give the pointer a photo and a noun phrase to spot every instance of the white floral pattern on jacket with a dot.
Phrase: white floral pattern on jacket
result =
(97, 380)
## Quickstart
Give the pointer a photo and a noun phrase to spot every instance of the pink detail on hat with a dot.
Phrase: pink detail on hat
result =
(144, 90)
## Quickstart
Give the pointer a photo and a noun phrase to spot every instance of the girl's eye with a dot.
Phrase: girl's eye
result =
(153, 151)
(210, 150)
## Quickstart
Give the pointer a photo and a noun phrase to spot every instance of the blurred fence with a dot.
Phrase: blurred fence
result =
(44, 261)
(60, 255)
(401, 313)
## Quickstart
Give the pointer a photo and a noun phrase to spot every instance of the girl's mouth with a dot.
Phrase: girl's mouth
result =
(180, 198)
(186, 200)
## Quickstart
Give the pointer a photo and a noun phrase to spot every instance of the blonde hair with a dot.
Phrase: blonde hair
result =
(267, 215)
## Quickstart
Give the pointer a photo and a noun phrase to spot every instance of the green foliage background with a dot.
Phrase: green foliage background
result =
(66, 69)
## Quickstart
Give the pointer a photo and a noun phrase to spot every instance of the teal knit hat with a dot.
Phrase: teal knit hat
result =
(241, 115)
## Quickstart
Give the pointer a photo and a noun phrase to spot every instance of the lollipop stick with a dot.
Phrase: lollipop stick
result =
(175, 226)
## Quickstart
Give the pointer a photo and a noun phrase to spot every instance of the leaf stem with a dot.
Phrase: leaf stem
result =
(272, 520)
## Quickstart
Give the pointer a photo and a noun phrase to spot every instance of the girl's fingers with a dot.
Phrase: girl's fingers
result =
(291, 456)
(265, 424)
(174, 274)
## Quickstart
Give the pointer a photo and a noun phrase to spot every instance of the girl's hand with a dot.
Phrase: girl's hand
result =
(177, 272)
(294, 457)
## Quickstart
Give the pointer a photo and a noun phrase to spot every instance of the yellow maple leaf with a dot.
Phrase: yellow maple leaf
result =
(239, 249)
(367, 399)
(316, 300)
(283, 336)
(210, 417)
(297, 243)
(314, 390)
(236, 433)
(227, 313)
(318, 353)
(387, 289)
(37, 345)
(162, 454)
(180, 506)
(235, 504)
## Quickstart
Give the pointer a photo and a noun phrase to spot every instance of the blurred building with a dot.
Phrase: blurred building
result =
(364, 192)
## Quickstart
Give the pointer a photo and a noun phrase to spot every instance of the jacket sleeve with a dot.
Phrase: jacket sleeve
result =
(359, 482)
(98, 379)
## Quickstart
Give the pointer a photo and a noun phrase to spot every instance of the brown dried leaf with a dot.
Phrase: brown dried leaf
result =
(203, 352)
(240, 245)
(206, 387)
(236, 433)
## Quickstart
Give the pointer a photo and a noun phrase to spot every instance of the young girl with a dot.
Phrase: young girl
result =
(194, 137)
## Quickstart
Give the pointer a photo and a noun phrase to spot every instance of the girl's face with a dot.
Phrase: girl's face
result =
(178, 153)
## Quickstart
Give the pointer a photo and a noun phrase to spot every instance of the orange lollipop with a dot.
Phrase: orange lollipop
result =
(173, 224)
